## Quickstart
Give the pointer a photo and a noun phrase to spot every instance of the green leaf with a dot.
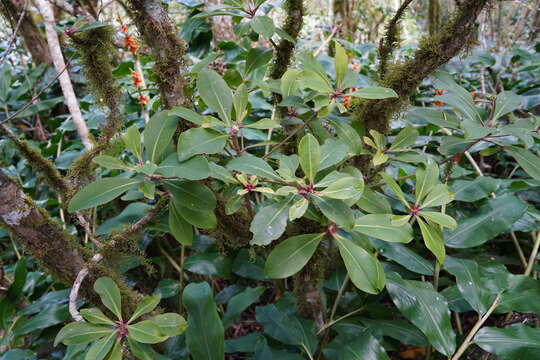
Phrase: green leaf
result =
(404, 256)
(264, 124)
(241, 102)
(270, 222)
(393, 185)
(80, 333)
(241, 302)
(405, 138)
(289, 83)
(298, 209)
(473, 190)
(492, 218)
(336, 211)
(101, 348)
(148, 304)
(438, 196)
(426, 309)
(205, 219)
(426, 179)
(100, 192)
(373, 203)
(332, 153)
(180, 228)
(469, 283)
(529, 161)
(318, 82)
(363, 347)
(110, 295)
(515, 342)
(187, 114)
(144, 351)
(310, 156)
(158, 134)
(170, 324)
(145, 332)
(116, 352)
(380, 226)
(95, 316)
(344, 188)
(433, 239)
(291, 255)
(439, 218)
(215, 93)
(256, 58)
(132, 141)
(364, 269)
(263, 25)
(192, 195)
(400, 330)
(195, 168)
(506, 102)
(456, 96)
(374, 92)
(110, 162)
(253, 165)
(205, 334)
(341, 64)
(200, 141)
(349, 136)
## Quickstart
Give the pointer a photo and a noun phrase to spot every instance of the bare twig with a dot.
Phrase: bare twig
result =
(282, 142)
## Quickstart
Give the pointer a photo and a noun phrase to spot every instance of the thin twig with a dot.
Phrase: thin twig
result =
(280, 144)
(15, 31)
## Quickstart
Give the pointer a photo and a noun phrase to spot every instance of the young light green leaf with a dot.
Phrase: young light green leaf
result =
(100, 192)
(438, 196)
(215, 93)
(374, 92)
(380, 226)
(263, 25)
(433, 239)
(426, 179)
(298, 209)
(110, 295)
(529, 161)
(158, 134)
(291, 255)
(180, 228)
(170, 324)
(101, 348)
(289, 83)
(200, 141)
(145, 306)
(146, 332)
(132, 141)
(364, 269)
(205, 334)
(404, 138)
(507, 101)
(110, 162)
(425, 308)
(310, 156)
(439, 218)
(341, 64)
(254, 166)
(81, 333)
(95, 316)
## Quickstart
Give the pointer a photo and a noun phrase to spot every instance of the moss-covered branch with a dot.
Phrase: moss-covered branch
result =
(404, 77)
(55, 250)
(292, 26)
(167, 49)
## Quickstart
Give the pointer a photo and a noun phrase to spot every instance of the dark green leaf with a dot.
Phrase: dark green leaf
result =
(100, 192)
(158, 134)
(515, 342)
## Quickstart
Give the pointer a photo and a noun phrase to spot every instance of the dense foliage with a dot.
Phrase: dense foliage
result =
(271, 195)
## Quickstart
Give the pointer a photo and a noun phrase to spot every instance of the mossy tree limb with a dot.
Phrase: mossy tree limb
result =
(167, 49)
(433, 51)
(434, 16)
(55, 250)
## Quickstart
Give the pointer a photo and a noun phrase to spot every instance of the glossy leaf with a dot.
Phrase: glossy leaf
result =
(205, 334)
(109, 294)
(439, 218)
(374, 92)
(170, 324)
(506, 102)
(291, 255)
(336, 211)
(256, 58)
(100, 192)
(132, 141)
(433, 239)
(158, 134)
(380, 226)
(270, 222)
(81, 333)
(180, 228)
(195, 168)
(146, 332)
(344, 188)
(200, 141)
(254, 166)
(426, 309)
(364, 269)
(192, 195)
(529, 161)
(404, 138)
(241, 302)
(426, 179)
(145, 306)
(101, 348)
(215, 93)
(515, 342)
(263, 25)
(95, 316)
(310, 156)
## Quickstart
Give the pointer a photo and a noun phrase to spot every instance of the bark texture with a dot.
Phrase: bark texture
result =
(28, 30)
(167, 49)
(404, 77)
(56, 251)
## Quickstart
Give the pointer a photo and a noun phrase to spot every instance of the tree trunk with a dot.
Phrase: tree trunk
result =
(33, 38)
(167, 49)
